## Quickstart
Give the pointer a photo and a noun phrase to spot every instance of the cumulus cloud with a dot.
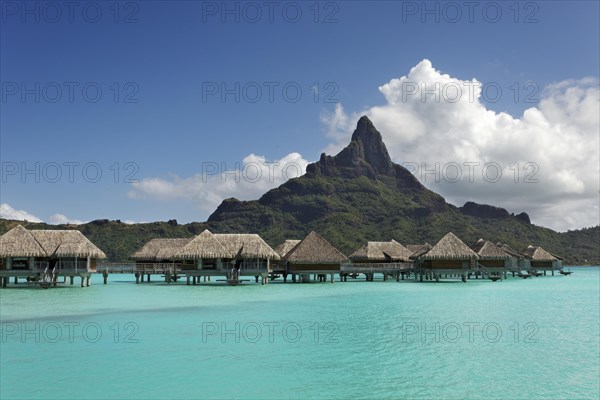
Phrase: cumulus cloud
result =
(7, 212)
(249, 180)
(545, 162)
(60, 219)
(132, 222)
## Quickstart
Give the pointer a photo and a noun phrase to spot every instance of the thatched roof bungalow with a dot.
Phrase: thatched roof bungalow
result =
(381, 252)
(247, 246)
(417, 250)
(517, 260)
(449, 253)
(23, 249)
(208, 251)
(286, 246)
(491, 256)
(160, 250)
(314, 254)
(541, 259)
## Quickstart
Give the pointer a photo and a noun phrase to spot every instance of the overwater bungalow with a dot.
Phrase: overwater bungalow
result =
(286, 246)
(493, 262)
(252, 254)
(388, 258)
(450, 256)
(415, 248)
(159, 256)
(42, 256)
(313, 255)
(206, 255)
(542, 260)
(280, 268)
(518, 262)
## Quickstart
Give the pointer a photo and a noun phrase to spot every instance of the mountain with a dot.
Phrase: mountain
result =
(360, 195)
(353, 197)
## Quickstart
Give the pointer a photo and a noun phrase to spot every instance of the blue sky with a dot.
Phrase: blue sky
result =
(156, 62)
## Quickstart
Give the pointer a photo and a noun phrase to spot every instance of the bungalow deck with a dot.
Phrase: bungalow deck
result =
(172, 272)
(396, 270)
(41, 275)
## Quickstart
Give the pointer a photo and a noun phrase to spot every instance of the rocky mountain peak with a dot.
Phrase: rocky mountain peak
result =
(365, 155)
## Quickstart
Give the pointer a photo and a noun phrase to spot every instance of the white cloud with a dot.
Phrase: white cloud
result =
(252, 178)
(132, 222)
(60, 219)
(560, 137)
(7, 212)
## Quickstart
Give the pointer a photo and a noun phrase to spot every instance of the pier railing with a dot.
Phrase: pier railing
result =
(116, 268)
(61, 267)
(157, 268)
(375, 267)
(247, 265)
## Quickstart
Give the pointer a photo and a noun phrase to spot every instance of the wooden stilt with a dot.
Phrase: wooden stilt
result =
(87, 281)
(82, 281)
(105, 277)
(137, 278)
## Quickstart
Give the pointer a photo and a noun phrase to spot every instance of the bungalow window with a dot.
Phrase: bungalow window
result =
(20, 263)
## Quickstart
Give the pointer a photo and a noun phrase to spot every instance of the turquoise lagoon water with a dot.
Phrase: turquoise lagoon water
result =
(515, 339)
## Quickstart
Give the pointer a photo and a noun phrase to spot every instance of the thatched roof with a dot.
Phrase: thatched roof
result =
(418, 250)
(160, 249)
(205, 245)
(66, 243)
(381, 251)
(20, 242)
(286, 246)
(450, 247)
(487, 250)
(314, 249)
(512, 252)
(247, 245)
(536, 253)
(413, 248)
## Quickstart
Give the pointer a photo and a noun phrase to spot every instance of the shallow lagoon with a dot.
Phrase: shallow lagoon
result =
(534, 338)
